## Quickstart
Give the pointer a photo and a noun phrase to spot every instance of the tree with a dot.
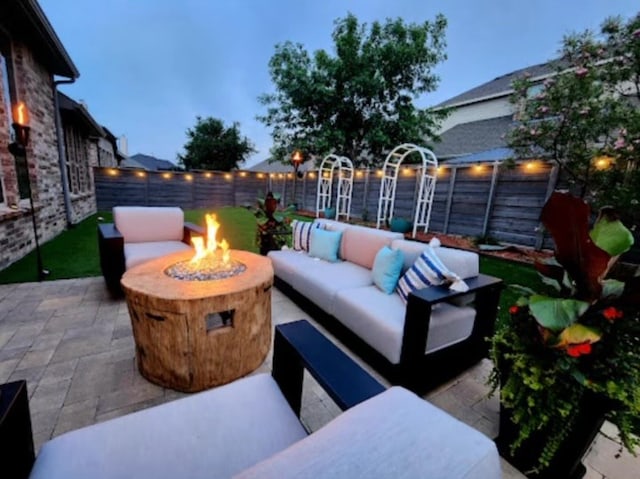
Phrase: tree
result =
(360, 101)
(586, 117)
(212, 146)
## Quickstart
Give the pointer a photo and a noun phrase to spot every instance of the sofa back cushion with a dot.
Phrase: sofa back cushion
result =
(360, 244)
(140, 224)
(464, 263)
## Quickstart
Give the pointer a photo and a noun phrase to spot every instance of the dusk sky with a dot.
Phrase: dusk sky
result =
(149, 67)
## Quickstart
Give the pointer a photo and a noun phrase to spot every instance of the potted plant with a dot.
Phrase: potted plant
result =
(273, 225)
(567, 358)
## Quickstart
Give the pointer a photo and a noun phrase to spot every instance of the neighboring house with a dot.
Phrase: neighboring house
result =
(278, 167)
(64, 137)
(149, 163)
(481, 117)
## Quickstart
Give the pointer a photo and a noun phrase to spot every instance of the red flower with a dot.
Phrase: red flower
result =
(611, 313)
(514, 309)
(577, 350)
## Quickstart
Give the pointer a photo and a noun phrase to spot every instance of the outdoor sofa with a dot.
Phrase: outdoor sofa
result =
(437, 334)
(250, 429)
(139, 234)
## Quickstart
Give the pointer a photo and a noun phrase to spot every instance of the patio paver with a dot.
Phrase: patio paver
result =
(73, 345)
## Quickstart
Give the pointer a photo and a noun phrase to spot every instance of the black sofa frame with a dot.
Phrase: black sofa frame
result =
(297, 346)
(418, 371)
(111, 249)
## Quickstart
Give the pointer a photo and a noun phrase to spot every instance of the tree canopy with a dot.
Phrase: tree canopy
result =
(359, 101)
(586, 117)
(212, 146)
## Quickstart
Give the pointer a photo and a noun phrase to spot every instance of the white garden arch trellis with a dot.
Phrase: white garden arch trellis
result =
(325, 185)
(426, 176)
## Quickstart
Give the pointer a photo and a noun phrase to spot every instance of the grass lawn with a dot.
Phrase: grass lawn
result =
(74, 253)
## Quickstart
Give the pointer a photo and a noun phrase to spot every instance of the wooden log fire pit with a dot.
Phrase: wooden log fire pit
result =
(193, 335)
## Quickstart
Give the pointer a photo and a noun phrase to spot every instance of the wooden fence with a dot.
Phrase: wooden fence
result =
(472, 200)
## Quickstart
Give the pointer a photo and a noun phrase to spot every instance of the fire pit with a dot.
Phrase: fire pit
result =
(200, 321)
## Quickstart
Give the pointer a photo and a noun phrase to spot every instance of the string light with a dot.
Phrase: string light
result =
(379, 173)
(479, 168)
(188, 177)
(166, 176)
(260, 175)
(112, 172)
(359, 174)
(280, 175)
(603, 162)
(243, 173)
(208, 175)
(227, 176)
(312, 175)
(141, 174)
(289, 175)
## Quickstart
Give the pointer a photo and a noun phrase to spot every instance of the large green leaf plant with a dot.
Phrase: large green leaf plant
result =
(583, 335)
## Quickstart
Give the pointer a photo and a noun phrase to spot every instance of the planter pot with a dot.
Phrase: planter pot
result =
(330, 213)
(400, 225)
(567, 461)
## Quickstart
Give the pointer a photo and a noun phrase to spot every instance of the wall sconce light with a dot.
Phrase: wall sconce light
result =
(19, 150)
(227, 176)
(166, 176)
(359, 174)
(312, 175)
(140, 174)
(188, 177)
(112, 172)
(207, 175)
(479, 168)
(243, 174)
(260, 175)
(379, 173)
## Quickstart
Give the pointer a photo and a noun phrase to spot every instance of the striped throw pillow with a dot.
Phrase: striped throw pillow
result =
(302, 234)
(428, 270)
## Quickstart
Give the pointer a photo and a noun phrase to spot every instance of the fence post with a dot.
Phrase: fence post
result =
(551, 185)
(447, 212)
(492, 192)
(365, 195)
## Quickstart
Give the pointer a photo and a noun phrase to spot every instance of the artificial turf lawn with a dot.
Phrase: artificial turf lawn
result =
(74, 253)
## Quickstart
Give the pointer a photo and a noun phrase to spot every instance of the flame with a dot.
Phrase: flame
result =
(21, 114)
(205, 251)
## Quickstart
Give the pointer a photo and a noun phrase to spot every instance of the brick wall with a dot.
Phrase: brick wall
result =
(34, 86)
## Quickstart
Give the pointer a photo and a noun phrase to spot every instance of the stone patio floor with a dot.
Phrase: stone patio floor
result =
(73, 345)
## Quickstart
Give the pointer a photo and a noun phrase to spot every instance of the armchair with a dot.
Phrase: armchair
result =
(139, 234)
(250, 429)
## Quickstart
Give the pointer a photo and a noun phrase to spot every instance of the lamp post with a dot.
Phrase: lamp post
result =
(19, 150)
(297, 158)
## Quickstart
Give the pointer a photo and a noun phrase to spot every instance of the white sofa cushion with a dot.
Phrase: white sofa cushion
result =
(318, 280)
(393, 435)
(140, 224)
(138, 253)
(217, 433)
(378, 319)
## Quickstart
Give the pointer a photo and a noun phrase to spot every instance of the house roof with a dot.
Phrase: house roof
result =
(499, 86)
(26, 21)
(130, 163)
(77, 113)
(114, 142)
(278, 167)
(152, 163)
(467, 138)
(487, 156)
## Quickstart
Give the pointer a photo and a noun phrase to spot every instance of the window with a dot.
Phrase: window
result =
(21, 170)
(78, 175)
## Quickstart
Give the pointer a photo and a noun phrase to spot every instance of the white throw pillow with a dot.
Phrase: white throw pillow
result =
(301, 231)
(427, 271)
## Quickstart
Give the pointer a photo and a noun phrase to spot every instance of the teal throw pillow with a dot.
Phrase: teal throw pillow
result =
(387, 267)
(325, 244)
